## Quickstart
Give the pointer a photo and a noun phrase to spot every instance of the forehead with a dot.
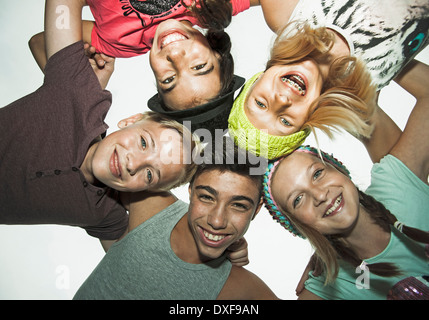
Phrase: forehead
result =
(159, 130)
(228, 183)
(293, 167)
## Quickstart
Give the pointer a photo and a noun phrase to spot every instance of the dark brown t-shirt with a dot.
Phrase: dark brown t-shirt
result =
(44, 139)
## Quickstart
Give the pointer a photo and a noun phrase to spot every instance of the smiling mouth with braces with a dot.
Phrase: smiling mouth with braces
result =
(296, 82)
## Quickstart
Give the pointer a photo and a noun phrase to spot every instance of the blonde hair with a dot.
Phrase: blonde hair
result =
(190, 142)
(348, 95)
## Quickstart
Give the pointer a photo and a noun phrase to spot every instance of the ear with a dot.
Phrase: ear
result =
(190, 191)
(130, 120)
(261, 202)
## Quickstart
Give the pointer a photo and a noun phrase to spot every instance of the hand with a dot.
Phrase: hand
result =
(91, 53)
(102, 64)
(238, 254)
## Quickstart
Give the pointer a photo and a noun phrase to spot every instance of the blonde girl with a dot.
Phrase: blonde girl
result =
(381, 231)
(316, 76)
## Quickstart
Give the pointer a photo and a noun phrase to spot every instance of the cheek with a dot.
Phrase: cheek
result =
(196, 211)
(240, 223)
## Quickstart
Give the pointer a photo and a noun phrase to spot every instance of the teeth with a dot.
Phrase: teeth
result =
(172, 37)
(335, 206)
(213, 237)
(117, 163)
(297, 82)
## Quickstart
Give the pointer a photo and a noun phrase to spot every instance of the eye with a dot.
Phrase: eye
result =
(240, 206)
(297, 200)
(205, 197)
(317, 174)
(168, 80)
(260, 104)
(149, 176)
(285, 122)
(143, 143)
(199, 67)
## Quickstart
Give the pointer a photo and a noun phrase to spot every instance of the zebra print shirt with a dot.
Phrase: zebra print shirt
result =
(386, 34)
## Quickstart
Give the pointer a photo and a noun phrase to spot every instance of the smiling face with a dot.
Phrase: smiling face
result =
(222, 204)
(143, 155)
(186, 68)
(315, 193)
(280, 99)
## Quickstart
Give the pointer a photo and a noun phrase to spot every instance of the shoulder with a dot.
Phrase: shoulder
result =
(144, 205)
(243, 284)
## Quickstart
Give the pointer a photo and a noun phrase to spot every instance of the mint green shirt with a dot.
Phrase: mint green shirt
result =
(407, 197)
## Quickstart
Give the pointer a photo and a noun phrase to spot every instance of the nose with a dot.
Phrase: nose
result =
(217, 218)
(135, 163)
(281, 101)
(175, 55)
(320, 194)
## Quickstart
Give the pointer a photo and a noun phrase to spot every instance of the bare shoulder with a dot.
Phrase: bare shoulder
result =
(245, 285)
(308, 295)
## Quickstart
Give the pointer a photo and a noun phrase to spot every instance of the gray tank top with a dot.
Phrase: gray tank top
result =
(143, 266)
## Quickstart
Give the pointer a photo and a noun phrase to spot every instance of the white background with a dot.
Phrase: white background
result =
(51, 262)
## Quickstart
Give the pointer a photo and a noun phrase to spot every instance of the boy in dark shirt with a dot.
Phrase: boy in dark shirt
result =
(55, 167)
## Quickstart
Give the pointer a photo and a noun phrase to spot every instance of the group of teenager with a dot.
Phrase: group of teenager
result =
(327, 65)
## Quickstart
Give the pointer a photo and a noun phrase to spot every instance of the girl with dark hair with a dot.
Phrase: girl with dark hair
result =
(191, 68)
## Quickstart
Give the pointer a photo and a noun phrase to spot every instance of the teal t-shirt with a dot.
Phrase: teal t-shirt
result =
(407, 197)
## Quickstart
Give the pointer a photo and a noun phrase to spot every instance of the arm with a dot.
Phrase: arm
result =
(144, 205)
(106, 244)
(412, 147)
(277, 12)
(37, 43)
(63, 24)
(245, 285)
(385, 135)
(37, 48)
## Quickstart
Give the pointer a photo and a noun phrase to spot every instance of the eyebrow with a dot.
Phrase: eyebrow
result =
(214, 192)
(208, 189)
(198, 74)
(239, 198)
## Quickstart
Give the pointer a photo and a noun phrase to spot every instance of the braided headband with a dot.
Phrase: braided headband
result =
(269, 201)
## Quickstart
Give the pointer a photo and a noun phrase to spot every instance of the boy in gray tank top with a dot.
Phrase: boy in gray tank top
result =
(176, 251)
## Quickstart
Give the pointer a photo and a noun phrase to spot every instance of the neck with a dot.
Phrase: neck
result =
(367, 238)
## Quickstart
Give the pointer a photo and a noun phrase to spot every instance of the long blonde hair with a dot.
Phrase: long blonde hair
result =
(348, 95)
